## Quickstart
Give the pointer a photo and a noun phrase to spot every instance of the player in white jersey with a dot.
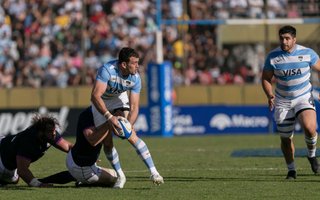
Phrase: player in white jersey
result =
(110, 99)
(291, 65)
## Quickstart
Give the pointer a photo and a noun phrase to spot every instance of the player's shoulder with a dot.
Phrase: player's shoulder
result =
(110, 65)
(275, 52)
(136, 76)
(301, 48)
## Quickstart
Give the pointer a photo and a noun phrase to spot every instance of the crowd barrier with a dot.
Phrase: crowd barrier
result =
(79, 97)
(237, 110)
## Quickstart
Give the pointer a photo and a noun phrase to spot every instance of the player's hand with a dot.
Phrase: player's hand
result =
(271, 102)
(114, 122)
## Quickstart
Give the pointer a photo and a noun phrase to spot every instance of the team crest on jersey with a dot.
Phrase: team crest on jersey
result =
(128, 83)
(300, 58)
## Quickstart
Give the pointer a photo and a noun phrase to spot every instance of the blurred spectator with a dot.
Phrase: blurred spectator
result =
(61, 43)
(256, 8)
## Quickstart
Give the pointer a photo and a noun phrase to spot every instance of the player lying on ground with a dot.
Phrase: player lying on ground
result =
(18, 151)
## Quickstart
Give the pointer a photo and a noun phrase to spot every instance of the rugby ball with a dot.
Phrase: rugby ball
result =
(125, 129)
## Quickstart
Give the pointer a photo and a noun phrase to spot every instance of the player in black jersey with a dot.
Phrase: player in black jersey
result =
(18, 151)
(81, 160)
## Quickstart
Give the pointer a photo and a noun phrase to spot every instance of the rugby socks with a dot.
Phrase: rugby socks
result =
(143, 151)
(311, 142)
(113, 158)
(291, 167)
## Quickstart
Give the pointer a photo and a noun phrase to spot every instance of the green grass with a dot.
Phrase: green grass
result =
(193, 168)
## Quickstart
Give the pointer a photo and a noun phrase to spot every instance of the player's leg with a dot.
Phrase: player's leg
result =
(308, 123)
(285, 119)
(288, 151)
(90, 175)
(8, 176)
(58, 178)
(142, 150)
(144, 153)
(113, 157)
(107, 177)
(109, 150)
(305, 112)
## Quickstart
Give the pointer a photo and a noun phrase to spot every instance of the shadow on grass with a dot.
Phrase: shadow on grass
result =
(15, 187)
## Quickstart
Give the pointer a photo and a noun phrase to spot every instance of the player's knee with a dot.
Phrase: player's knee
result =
(310, 130)
(133, 138)
(107, 146)
(286, 136)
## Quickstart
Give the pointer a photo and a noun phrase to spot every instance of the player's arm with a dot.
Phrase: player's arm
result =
(316, 66)
(95, 135)
(267, 86)
(98, 89)
(63, 145)
(24, 172)
(134, 99)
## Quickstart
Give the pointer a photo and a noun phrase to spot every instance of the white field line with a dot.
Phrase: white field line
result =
(214, 169)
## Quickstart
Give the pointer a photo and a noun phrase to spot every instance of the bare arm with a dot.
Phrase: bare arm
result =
(267, 87)
(317, 67)
(134, 99)
(95, 135)
(63, 145)
(97, 91)
(24, 172)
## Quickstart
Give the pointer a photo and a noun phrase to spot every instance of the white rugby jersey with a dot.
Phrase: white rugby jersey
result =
(116, 83)
(291, 70)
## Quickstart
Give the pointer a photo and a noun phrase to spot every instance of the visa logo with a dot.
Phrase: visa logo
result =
(291, 72)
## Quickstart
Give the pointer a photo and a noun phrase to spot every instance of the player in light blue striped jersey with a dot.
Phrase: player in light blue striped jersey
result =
(290, 65)
(109, 99)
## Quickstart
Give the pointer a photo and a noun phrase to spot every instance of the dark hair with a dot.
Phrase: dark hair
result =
(288, 29)
(125, 54)
(44, 124)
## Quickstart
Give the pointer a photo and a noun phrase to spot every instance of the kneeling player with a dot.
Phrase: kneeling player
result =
(81, 160)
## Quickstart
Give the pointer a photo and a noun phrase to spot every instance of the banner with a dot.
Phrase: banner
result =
(186, 120)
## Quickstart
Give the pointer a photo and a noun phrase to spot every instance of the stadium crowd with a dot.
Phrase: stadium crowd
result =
(61, 43)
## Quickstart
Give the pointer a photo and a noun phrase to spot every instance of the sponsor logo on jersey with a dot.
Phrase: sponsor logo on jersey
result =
(291, 72)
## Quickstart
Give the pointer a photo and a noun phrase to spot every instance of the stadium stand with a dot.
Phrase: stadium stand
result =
(61, 43)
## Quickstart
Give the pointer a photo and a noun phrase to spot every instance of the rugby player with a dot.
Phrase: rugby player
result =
(18, 151)
(291, 65)
(109, 98)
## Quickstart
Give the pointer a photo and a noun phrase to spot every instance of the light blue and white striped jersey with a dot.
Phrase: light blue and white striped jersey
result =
(291, 70)
(116, 83)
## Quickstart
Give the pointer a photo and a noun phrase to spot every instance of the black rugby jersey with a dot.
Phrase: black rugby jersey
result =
(25, 144)
(83, 153)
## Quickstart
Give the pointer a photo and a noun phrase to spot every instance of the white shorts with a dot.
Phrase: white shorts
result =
(87, 174)
(112, 103)
(9, 176)
(286, 111)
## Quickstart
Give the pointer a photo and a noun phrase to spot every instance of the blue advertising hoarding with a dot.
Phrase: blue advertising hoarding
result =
(186, 120)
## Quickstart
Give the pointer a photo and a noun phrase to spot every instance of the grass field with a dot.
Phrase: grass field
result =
(193, 168)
